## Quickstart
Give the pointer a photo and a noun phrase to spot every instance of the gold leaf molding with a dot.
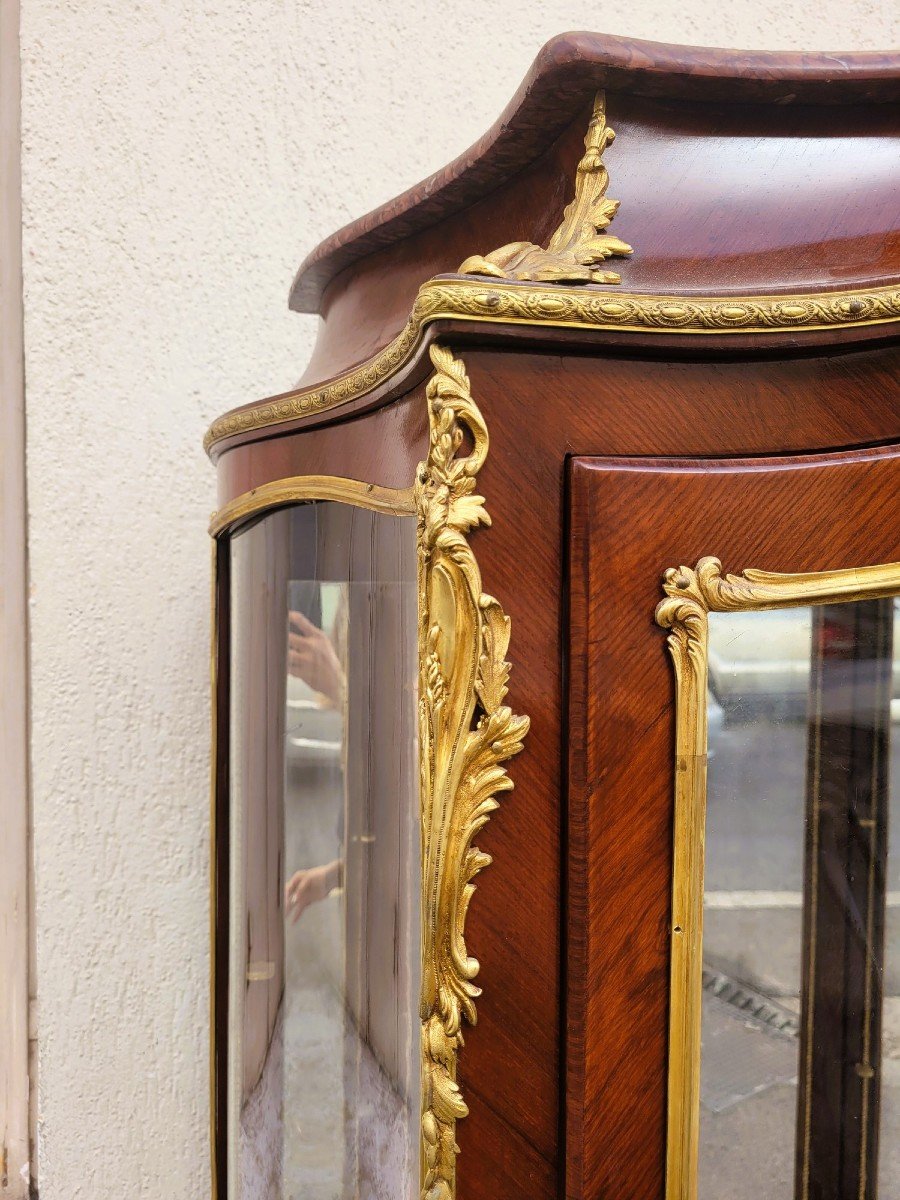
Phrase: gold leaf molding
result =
(574, 308)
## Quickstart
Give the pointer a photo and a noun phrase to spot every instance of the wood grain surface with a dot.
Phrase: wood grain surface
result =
(630, 520)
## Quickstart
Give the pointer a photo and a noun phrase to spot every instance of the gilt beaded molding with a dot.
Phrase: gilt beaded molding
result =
(555, 306)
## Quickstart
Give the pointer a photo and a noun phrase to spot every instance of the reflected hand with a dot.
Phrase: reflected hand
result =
(312, 658)
(310, 886)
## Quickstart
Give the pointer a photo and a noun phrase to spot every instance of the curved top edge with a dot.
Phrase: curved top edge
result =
(562, 79)
(547, 306)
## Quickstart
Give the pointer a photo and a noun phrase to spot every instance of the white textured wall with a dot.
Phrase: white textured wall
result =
(179, 160)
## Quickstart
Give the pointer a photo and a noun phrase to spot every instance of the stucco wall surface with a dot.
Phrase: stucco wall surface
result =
(179, 160)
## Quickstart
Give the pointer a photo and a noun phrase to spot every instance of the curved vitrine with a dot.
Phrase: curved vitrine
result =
(527, 401)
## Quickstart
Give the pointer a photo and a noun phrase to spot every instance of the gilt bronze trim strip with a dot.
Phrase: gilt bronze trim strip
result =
(561, 307)
(398, 502)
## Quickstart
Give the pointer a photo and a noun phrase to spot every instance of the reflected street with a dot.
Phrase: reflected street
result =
(758, 828)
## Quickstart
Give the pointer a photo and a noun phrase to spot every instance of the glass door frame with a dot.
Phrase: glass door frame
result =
(227, 521)
(691, 594)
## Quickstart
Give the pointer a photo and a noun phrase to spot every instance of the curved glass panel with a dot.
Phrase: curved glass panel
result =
(323, 1056)
(800, 1063)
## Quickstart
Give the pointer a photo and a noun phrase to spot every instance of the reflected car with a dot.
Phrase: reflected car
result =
(759, 663)
(313, 730)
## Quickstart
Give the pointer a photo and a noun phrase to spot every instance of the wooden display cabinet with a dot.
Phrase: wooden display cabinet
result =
(682, 418)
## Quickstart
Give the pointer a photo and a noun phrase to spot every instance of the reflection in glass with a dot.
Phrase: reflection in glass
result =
(324, 942)
(800, 1063)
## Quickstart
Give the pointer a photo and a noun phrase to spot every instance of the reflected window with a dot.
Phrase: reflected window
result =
(800, 1061)
(324, 940)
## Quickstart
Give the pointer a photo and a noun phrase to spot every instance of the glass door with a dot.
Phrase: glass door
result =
(733, 824)
(800, 1059)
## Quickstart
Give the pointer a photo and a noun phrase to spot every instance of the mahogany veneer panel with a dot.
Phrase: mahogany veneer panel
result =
(629, 521)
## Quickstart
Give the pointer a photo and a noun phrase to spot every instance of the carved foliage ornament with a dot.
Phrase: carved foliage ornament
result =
(466, 734)
(580, 242)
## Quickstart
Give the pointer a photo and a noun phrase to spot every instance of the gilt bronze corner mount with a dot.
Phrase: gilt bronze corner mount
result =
(581, 242)
(466, 734)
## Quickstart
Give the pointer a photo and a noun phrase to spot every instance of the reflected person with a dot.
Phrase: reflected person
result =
(312, 657)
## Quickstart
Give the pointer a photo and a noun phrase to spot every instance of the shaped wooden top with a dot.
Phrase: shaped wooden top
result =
(754, 197)
(721, 94)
